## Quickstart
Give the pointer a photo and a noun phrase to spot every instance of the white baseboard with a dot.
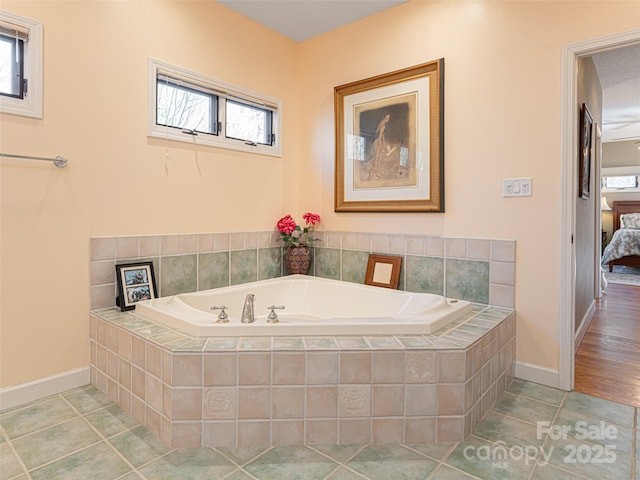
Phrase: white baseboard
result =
(536, 374)
(584, 324)
(30, 391)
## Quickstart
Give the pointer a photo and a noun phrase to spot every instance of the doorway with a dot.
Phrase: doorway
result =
(570, 122)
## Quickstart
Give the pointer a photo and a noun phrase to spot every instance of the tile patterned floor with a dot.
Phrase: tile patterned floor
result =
(533, 432)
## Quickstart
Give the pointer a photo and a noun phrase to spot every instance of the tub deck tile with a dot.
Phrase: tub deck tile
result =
(352, 343)
(221, 343)
(320, 343)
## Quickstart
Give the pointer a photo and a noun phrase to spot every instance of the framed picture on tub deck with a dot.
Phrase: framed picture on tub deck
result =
(383, 271)
(136, 282)
(389, 142)
(584, 166)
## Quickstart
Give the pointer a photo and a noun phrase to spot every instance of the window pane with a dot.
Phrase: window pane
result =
(187, 108)
(621, 182)
(248, 123)
(11, 76)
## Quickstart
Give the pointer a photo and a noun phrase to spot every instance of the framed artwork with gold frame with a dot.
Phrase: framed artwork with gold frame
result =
(389, 142)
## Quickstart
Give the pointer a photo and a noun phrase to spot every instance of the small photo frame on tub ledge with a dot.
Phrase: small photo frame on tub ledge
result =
(136, 282)
(383, 271)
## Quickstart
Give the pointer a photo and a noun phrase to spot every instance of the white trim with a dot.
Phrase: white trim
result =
(168, 133)
(569, 112)
(43, 387)
(31, 105)
(584, 323)
(536, 374)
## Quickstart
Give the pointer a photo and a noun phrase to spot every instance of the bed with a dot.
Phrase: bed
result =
(624, 248)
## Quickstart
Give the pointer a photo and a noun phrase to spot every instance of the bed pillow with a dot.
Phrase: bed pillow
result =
(630, 220)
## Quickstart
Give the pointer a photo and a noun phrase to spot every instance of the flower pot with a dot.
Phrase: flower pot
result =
(298, 259)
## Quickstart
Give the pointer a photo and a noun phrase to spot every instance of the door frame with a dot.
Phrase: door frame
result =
(568, 143)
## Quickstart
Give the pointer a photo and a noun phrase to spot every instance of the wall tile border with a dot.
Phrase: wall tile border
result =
(337, 255)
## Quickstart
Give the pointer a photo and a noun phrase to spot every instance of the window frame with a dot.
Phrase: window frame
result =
(30, 105)
(223, 90)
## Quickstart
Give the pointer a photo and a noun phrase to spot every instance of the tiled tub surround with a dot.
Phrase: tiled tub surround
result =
(478, 270)
(262, 391)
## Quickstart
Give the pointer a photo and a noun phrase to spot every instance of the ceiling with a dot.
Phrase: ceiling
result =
(618, 70)
(304, 19)
(619, 74)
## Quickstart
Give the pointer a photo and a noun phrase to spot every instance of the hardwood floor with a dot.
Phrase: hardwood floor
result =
(608, 360)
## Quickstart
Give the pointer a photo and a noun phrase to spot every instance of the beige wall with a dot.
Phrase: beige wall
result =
(119, 181)
(502, 119)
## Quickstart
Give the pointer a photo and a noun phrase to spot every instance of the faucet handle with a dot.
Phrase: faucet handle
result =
(273, 317)
(222, 316)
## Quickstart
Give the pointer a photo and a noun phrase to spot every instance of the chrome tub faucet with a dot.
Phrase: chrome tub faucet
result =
(248, 315)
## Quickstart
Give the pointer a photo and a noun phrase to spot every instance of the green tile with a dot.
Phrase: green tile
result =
(111, 420)
(382, 462)
(269, 263)
(598, 407)
(327, 263)
(139, 446)
(354, 266)
(188, 464)
(244, 267)
(551, 472)
(289, 463)
(36, 417)
(591, 461)
(536, 391)
(131, 476)
(87, 400)
(213, 270)
(340, 453)
(179, 274)
(514, 433)
(467, 280)
(446, 472)
(488, 461)
(46, 445)
(577, 425)
(242, 455)
(98, 462)
(526, 409)
(26, 405)
(238, 475)
(424, 274)
(9, 464)
(343, 473)
(436, 450)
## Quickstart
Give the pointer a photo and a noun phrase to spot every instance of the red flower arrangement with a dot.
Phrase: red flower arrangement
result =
(295, 236)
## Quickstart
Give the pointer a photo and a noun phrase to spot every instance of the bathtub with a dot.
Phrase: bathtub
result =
(313, 306)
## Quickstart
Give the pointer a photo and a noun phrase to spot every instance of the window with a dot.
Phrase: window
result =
(12, 81)
(191, 107)
(620, 183)
(20, 65)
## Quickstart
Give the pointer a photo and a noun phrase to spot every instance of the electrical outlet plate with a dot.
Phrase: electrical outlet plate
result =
(516, 187)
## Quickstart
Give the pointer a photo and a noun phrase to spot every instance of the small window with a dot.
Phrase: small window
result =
(186, 107)
(12, 80)
(620, 182)
(190, 107)
(20, 65)
(249, 123)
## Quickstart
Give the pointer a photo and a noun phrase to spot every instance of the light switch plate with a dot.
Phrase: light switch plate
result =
(516, 187)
